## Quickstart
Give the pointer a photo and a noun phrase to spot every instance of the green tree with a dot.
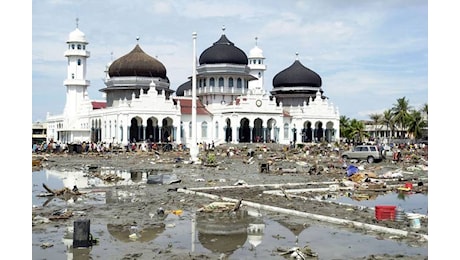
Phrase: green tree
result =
(357, 130)
(376, 119)
(415, 124)
(387, 120)
(345, 127)
(400, 112)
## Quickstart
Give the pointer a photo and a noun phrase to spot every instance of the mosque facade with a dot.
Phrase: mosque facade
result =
(232, 105)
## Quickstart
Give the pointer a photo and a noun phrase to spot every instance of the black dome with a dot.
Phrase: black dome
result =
(182, 88)
(137, 63)
(297, 75)
(223, 51)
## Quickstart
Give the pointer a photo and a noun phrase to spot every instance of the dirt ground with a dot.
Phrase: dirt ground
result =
(290, 169)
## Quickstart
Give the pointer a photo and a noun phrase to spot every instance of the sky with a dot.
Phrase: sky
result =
(368, 53)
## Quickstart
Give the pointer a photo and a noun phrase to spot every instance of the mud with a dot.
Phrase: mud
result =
(233, 166)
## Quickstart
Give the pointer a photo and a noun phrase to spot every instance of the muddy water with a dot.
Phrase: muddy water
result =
(250, 235)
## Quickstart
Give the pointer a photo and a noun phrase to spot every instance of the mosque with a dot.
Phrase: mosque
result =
(231, 104)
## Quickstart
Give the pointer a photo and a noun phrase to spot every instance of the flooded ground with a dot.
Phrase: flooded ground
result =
(125, 219)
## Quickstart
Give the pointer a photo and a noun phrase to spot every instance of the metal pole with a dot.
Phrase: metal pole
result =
(193, 145)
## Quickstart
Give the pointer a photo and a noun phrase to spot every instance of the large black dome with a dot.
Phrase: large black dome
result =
(137, 63)
(223, 51)
(183, 87)
(297, 75)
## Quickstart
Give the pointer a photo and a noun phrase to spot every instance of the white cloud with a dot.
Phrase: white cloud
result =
(364, 47)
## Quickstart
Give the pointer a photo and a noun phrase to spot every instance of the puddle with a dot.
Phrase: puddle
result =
(245, 234)
(409, 202)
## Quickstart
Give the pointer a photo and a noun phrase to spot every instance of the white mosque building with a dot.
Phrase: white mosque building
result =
(231, 103)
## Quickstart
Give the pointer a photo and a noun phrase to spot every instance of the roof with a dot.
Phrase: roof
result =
(137, 63)
(186, 107)
(98, 104)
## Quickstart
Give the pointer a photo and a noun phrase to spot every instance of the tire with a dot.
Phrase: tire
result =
(370, 159)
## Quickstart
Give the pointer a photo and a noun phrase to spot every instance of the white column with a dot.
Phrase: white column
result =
(193, 145)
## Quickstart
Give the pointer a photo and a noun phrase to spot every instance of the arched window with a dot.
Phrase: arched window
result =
(239, 83)
(211, 82)
(190, 130)
(73, 46)
(286, 131)
(79, 62)
(79, 46)
(181, 128)
(221, 82)
(204, 130)
(217, 130)
(230, 82)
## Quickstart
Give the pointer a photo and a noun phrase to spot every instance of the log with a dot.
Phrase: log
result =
(61, 191)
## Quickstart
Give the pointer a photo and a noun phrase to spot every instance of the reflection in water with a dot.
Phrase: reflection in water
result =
(80, 253)
(130, 233)
(225, 232)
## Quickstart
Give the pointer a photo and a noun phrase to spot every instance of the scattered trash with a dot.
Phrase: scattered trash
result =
(351, 169)
(297, 253)
(218, 207)
(46, 245)
(163, 179)
(240, 182)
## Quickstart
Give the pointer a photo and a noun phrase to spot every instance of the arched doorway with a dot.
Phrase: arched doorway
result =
(135, 130)
(271, 133)
(329, 135)
(319, 132)
(152, 130)
(167, 134)
(244, 131)
(307, 132)
(228, 130)
(258, 131)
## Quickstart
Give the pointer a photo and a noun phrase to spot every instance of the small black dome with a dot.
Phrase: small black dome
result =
(137, 63)
(223, 51)
(182, 88)
(297, 75)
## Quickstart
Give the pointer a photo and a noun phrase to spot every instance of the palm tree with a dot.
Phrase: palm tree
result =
(357, 130)
(376, 118)
(400, 112)
(387, 120)
(415, 124)
(345, 127)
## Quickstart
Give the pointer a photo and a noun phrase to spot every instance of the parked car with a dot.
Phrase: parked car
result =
(370, 153)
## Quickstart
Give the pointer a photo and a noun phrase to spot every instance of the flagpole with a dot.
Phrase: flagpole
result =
(193, 145)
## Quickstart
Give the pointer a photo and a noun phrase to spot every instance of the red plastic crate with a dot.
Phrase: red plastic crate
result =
(385, 212)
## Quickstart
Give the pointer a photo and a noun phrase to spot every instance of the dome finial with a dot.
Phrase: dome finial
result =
(76, 20)
(223, 29)
(296, 56)
(137, 39)
(256, 40)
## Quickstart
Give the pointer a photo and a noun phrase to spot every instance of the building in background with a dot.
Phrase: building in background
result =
(38, 133)
(232, 105)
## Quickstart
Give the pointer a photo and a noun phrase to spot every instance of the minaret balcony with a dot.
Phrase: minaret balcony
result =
(81, 53)
(76, 82)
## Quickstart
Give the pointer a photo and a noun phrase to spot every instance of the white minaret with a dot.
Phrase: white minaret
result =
(257, 68)
(76, 82)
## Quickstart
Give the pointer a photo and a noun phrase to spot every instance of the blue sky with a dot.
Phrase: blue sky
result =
(368, 53)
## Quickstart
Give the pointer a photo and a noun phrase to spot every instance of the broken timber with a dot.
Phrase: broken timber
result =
(61, 192)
